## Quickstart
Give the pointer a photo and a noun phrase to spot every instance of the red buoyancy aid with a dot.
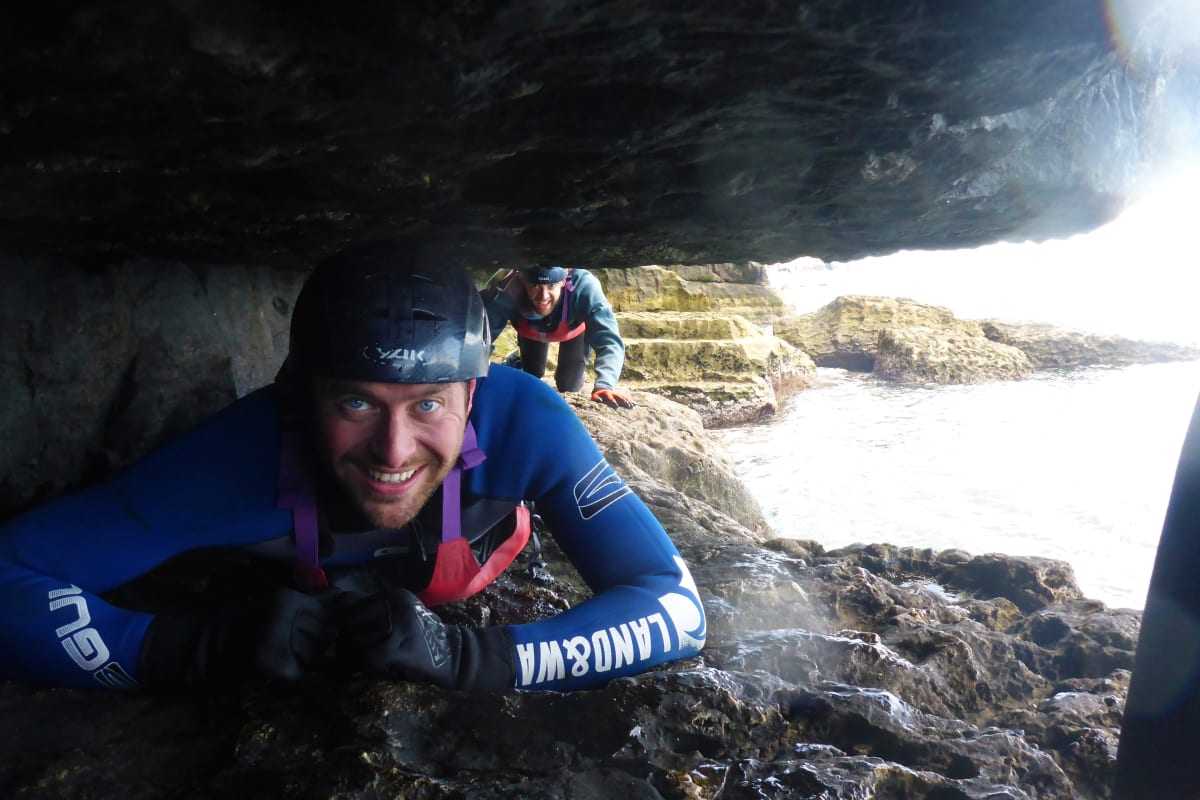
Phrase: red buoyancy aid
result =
(563, 330)
(457, 574)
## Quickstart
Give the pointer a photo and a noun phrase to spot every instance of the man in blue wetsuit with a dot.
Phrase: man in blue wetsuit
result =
(387, 469)
(568, 306)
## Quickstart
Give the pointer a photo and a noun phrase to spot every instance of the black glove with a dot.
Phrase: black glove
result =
(273, 636)
(391, 634)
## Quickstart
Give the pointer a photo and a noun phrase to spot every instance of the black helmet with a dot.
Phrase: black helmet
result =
(384, 313)
(533, 275)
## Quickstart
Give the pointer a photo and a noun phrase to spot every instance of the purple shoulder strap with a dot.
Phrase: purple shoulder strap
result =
(570, 287)
(296, 493)
(471, 456)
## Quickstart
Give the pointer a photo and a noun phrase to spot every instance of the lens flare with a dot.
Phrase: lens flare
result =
(1139, 29)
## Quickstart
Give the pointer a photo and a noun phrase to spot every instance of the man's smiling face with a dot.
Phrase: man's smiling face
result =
(390, 445)
(543, 296)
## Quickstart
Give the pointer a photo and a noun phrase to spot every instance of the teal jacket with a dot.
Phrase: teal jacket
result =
(587, 304)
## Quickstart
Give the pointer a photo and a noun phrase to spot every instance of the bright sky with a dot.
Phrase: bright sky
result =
(1138, 275)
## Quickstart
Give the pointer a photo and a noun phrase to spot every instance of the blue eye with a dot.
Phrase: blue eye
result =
(428, 406)
(355, 404)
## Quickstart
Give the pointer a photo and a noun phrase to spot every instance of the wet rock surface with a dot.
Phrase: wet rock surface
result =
(867, 671)
(925, 356)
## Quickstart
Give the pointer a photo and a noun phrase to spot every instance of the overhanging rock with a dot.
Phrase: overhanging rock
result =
(607, 134)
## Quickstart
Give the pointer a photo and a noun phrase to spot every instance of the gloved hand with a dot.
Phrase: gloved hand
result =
(391, 634)
(612, 398)
(277, 635)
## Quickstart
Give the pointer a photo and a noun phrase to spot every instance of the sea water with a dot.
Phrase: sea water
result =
(1073, 464)
(1070, 464)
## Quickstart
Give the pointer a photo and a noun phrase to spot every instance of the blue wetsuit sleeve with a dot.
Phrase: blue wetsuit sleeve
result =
(646, 609)
(602, 333)
(60, 634)
(213, 487)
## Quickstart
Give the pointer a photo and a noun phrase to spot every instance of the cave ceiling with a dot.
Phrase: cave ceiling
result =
(606, 133)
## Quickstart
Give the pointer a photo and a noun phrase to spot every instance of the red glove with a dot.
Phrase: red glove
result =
(612, 398)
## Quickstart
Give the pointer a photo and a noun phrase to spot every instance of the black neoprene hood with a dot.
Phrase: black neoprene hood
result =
(383, 313)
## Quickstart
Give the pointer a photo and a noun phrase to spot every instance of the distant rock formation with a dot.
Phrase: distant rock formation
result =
(723, 343)
(903, 340)
(845, 332)
(924, 355)
(1048, 347)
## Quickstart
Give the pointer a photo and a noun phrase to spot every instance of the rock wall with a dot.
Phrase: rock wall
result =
(104, 363)
(693, 339)
(722, 289)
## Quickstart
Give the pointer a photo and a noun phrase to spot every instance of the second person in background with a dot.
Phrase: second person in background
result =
(556, 304)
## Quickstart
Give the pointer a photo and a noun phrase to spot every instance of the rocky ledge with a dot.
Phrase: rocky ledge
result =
(721, 341)
(700, 335)
(868, 671)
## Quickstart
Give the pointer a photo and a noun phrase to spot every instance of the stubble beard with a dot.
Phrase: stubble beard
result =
(397, 512)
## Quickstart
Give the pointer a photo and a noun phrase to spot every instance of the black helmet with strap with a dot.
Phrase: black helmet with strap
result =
(387, 312)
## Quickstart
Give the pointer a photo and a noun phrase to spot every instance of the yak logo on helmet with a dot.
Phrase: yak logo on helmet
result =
(395, 356)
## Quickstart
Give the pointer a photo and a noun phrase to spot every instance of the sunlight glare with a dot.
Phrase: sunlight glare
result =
(1133, 276)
